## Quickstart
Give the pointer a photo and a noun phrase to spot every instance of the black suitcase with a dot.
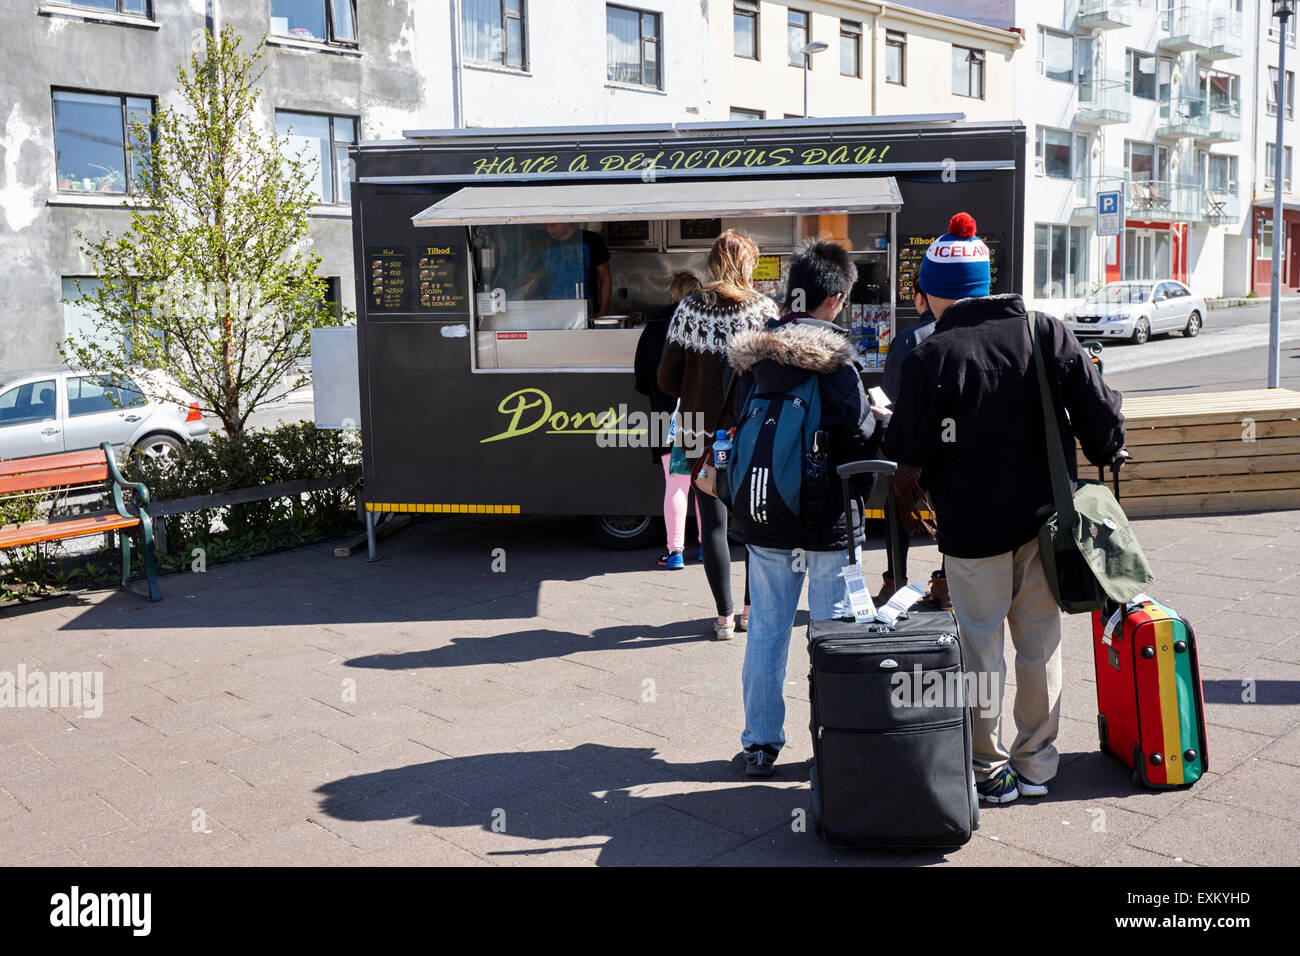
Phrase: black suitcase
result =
(887, 774)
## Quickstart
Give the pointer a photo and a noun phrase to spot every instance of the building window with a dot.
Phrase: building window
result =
(492, 31)
(1146, 162)
(1272, 93)
(896, 57)
(796, 33)
(968, 72)
(1270, 166)
(739, 113)
(1223, 92)
(323, 141)
(1290, 29)
(143, 8)
(1060, 261)
(96, 148)
(1140, 74)
(329, 21)
(1264, 239)
(1060, 154)
(1056, 55)
(850, 48)
(632, 38)
(744, 20)
(1221, 174)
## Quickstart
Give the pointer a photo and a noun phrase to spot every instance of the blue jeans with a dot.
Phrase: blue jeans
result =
(775, 584)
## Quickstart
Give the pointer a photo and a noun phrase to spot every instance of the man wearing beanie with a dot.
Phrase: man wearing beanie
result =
(969, 416)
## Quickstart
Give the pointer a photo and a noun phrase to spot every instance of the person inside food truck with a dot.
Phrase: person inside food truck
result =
(571, 263)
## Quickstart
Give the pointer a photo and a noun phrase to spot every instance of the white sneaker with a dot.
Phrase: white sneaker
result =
(1028, 788)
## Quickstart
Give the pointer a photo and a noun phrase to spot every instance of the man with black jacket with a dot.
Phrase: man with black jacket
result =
(778, 358)
(968, 414)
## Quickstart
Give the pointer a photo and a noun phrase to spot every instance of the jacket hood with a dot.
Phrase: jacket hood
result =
(806, 344)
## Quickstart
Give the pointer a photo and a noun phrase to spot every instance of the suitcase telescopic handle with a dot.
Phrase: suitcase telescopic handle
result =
(872, 467)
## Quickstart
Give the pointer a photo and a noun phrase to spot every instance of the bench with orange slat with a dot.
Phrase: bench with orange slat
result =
(50, 472)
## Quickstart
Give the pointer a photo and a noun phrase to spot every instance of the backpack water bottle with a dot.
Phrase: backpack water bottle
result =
(722, 449)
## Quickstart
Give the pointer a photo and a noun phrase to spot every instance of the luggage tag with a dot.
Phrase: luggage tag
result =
(1109, 630)
(864, 610)
(897, 606)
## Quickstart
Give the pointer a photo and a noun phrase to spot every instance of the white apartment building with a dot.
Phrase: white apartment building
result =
(1263, 115)
(881, 58)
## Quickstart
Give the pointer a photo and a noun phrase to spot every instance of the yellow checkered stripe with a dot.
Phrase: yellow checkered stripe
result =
(878, 514)
(443, 509)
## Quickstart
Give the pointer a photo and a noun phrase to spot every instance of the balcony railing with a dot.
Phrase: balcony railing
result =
(1186, 116)
(1227, 37)
(1185, 27)
(1102, 101)
(1105, 14)
(1225, 124)
(1163, 201)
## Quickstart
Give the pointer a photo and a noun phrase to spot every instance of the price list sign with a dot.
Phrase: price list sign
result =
(441, 279)
(387, 281)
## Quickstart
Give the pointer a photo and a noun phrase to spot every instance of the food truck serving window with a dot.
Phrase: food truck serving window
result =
(565, 276)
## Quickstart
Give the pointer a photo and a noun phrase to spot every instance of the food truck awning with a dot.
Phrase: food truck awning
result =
(662, 199)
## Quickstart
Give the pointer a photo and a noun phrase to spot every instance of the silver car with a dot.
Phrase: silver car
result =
(44, 411)
(1139, 310)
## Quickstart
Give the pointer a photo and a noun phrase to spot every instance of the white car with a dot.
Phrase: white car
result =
(1138, 310)
(44, 411)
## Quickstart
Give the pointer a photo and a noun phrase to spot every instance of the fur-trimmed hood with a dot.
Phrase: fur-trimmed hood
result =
(807, 344)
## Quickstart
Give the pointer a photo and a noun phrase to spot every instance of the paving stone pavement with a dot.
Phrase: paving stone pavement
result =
(423, 709)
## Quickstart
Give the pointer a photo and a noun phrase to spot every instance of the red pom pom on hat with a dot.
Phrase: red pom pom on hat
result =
(962, 226)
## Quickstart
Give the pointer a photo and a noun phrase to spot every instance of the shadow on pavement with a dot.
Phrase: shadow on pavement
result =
(584, 796)
(1251, 691)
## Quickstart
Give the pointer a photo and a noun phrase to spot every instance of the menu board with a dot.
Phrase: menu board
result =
(387, 279)
(630, 231)
(911, 250)
(767, 268)
(698, 229)
(440, 275)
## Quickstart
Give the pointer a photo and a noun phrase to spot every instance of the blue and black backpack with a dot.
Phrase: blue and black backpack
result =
(775, 479)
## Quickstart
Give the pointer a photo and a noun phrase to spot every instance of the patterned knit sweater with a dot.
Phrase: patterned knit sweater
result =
(695, 354)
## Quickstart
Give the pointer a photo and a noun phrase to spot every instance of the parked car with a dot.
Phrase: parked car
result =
(1139, 310)
(54, 409)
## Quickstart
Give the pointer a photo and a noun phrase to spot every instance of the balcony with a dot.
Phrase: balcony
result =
(1183, 28)
(1105, 15)
(1221, 204)
(1226, 38)
(1084, 198)
(1225, 125)
(1186, 116)
(1102, 102)
(1159, 201)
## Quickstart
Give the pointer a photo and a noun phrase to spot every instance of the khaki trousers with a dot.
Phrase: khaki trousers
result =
(1010, 587)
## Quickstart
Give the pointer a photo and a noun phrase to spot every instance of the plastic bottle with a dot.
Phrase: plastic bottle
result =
(722, 449)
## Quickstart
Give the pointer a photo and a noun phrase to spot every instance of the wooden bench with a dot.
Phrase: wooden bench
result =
(50, 472)
(1210, 452)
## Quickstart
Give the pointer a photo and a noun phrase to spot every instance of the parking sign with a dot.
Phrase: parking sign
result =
(1110, 215)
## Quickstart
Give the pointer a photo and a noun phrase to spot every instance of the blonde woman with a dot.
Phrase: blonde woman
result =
(693, 367)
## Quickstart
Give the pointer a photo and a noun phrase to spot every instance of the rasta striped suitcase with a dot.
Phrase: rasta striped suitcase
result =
(1150, 709)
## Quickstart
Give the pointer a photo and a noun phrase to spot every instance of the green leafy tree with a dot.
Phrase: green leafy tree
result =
(213, 283)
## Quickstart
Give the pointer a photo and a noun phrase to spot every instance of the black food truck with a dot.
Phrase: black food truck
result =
(495, 358)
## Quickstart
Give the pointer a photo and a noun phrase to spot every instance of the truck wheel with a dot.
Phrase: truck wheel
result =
(625, 532)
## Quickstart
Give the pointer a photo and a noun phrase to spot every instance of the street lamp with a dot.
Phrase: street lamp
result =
(808, 49)
(1283, 11)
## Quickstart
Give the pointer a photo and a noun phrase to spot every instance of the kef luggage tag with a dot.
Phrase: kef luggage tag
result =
(864, 611)
(1119, 615)
(896, 608)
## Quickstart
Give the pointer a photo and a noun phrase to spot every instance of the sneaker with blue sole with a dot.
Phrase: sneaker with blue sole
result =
(1027, 787)
(999, 788)
(673, 561)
